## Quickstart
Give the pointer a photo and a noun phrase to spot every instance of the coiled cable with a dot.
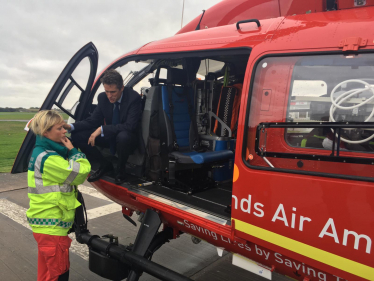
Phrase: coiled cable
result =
(336, 103)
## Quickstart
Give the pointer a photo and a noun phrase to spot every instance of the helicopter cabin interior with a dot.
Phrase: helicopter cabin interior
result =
(188, 128)
(191, 105)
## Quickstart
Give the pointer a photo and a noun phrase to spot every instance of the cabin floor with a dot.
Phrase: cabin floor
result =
(214, 201)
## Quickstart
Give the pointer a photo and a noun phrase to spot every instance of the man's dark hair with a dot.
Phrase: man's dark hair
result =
(112, 77)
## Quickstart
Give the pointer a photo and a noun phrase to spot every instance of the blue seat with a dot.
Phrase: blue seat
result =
(181, 116)
(179, 120)
(193, 157)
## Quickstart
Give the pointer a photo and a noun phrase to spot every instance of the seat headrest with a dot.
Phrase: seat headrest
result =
(176, 76)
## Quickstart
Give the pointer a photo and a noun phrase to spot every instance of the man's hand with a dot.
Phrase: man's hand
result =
(95, 134)
(67, 127)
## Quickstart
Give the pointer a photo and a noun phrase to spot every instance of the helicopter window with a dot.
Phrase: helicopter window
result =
(209, 65)
(315, 83)
(128, 71)
(68, 99)
(313, 106)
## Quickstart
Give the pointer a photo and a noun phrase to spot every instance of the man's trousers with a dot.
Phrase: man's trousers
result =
(126, 142)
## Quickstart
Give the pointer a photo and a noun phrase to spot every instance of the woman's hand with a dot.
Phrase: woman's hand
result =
(93, 136)
(67, 143)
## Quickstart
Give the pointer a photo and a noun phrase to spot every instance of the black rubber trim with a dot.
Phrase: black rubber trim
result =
(245, 133)
(63, 109)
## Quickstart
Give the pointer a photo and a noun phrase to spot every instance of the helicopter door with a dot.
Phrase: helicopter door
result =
(69, 94)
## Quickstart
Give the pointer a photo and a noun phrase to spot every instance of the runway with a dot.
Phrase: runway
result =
(18, 256)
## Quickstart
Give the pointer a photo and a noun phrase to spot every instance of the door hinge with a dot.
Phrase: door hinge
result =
(352, 43)
(235, 238)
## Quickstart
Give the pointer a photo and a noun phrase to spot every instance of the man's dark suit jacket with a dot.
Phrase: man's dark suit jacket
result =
(130, 114)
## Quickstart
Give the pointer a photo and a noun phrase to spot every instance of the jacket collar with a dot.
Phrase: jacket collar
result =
(48, 144)
(120, 99)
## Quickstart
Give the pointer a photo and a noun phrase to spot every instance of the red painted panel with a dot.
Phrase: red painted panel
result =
(292, 7)
(216, 234)
(231, 11)
(342, 203)
(223, 37)
(323, 30)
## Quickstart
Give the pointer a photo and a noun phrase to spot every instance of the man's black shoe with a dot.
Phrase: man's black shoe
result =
(100, 173)
(120, 179)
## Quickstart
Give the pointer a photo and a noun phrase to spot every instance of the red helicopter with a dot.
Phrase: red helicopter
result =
(257, 136)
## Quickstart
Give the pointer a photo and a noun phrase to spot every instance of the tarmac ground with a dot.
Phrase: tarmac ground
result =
(18, 255)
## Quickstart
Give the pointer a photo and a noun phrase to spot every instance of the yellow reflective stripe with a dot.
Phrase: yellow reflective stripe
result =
(322, 256)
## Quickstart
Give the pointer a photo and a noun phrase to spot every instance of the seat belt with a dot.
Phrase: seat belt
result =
(196, 145)
(171, 107)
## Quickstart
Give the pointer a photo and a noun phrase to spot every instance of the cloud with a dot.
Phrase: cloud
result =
(39, 37)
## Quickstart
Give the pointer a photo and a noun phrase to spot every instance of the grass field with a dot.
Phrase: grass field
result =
(11, 138)
(22, 116)
(12, 135)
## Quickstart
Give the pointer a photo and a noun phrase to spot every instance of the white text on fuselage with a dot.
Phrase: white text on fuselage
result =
(300, 222)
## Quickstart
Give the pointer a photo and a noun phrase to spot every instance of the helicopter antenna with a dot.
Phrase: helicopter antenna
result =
(198, 25)
(182, 14)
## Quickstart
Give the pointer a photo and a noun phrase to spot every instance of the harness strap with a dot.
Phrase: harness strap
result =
(196, 145)
(171, 107)
(80, 219)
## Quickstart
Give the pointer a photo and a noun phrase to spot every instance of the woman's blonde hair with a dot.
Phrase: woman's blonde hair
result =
(44, 120)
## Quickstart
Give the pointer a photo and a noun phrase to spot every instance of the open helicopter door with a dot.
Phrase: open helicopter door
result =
(60, 96)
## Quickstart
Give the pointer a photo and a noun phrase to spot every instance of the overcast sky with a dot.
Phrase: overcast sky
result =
(38, 37)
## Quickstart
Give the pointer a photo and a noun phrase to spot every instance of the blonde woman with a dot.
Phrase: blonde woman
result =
(54, 171)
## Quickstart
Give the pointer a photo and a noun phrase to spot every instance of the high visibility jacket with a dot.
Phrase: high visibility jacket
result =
(52, 181)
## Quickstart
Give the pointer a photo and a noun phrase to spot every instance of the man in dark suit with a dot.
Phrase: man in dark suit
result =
(113, 124)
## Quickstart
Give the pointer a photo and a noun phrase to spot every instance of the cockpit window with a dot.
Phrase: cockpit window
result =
(209, 65)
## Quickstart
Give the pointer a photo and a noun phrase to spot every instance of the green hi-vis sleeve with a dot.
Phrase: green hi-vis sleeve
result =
(303, 143)
(58, 170)
(31, 178)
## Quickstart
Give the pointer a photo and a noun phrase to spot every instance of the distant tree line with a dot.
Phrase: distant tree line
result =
(18, 109)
